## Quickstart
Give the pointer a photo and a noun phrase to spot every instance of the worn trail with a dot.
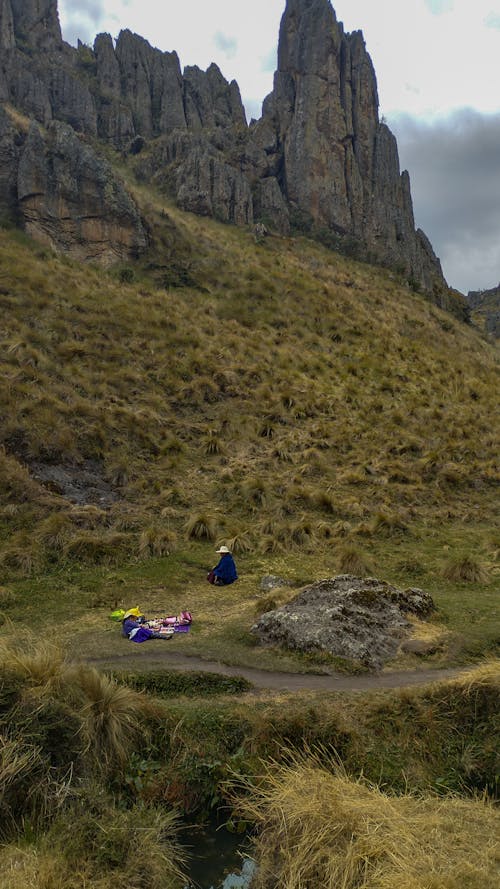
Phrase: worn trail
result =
(266, 679)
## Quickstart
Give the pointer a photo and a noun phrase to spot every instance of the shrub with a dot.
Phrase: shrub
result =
(255, 491)
(95, 844)
(18, 766)
(351, 561)
(211, 443)
(240, 543)
(200, 527)
(302, 532)
(54, 530)
(156, 541)
(36, 663)
(97, 548)
(465, 570)
(192, 684)
(389, 524)
(22, 554)
(111, 715)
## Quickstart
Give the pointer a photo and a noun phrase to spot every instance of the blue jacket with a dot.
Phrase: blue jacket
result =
(129, 624)
(225, 570)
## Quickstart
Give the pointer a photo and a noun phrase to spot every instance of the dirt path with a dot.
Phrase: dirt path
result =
(143, 661)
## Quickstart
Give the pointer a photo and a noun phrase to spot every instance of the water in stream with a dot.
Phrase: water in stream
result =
(219, 860)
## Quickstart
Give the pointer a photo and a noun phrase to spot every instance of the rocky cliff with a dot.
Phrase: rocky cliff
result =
(485, 306)
(64, 195)
(319, 160)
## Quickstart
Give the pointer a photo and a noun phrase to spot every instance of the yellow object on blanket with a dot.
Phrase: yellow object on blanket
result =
(133, 612)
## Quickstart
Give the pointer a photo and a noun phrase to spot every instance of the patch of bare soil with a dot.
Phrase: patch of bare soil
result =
(80, 483)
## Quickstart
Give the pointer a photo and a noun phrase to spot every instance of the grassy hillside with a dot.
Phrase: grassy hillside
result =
(313, 412)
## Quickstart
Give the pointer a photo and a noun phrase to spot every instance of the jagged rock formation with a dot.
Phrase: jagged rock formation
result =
(318, 160)
(485, 305)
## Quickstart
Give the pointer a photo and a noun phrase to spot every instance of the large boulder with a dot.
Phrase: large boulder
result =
(360, 619)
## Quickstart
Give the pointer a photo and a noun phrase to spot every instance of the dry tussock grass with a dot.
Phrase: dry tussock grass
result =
(351, 561)
(465, 569)
(39, 663)
(486, 675)
(319, 828)
(322, 380)
(111, 715)
(99, 850)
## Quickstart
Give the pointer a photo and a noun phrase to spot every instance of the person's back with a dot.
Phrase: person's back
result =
(225, 571)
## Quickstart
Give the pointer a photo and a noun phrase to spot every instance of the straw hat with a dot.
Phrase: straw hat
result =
(223, 549)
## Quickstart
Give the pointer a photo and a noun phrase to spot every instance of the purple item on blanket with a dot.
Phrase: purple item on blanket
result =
(181, 628)
(140, 634)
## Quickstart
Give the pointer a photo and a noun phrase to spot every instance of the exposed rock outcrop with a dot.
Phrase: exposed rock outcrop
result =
(360, 619)
(64, 194)
(485, 306)
(338, 164)
(319, 160)
(36, 24)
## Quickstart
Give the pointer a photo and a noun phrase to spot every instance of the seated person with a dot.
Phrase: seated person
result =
(225, 571)
(132, 619)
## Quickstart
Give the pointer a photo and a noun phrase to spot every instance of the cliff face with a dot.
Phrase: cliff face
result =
(64, 195)
(319, 158)
(485, 306)
(338, 164)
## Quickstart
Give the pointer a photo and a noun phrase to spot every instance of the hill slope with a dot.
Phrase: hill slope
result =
(286, 397)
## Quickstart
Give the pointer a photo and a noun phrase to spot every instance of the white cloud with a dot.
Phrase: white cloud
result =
(227, 45)
(438, 7)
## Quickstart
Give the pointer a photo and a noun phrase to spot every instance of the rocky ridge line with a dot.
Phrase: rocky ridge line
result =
(319, 160)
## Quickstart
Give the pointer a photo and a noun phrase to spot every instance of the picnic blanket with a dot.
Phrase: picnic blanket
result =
(162, 627)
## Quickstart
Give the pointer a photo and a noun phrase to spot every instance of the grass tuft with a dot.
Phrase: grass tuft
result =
(351, 561)
(317, 827)
(200, 527)
(465, 570)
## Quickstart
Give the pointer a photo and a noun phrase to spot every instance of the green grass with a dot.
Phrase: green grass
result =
(307, 410)
(304, 406)
(75, 603)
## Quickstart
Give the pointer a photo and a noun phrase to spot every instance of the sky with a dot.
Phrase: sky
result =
(437, 64)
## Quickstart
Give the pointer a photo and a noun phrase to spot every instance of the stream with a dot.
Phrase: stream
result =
(218, 859)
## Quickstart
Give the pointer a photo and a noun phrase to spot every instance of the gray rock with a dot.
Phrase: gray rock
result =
(210, 187)
(36, 24)
(486, 305)
(10, 149)
(339, 164)
(271, 581)
(81, 483)
(151, 85)
(319, 159)
(71, 199)
(360, 619)
(419, 647)
(7, 37)
(270, 205)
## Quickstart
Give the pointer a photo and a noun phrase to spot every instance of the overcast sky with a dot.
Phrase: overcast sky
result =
(438, 71)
